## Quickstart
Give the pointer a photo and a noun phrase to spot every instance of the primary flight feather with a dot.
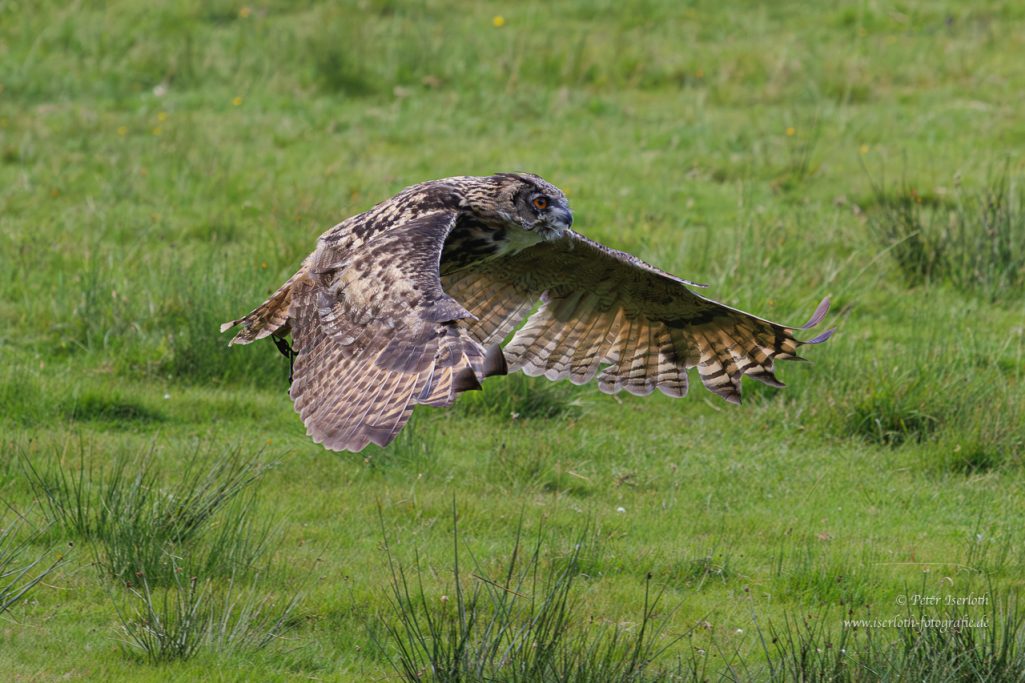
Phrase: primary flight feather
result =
(407, 304)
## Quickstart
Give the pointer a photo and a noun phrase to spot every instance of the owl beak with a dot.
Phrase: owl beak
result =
(556, 221)
(560, 218)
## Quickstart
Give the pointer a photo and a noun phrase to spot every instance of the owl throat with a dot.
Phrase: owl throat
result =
(472, 241)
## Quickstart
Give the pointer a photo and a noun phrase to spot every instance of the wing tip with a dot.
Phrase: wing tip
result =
(821, 338)
(818, 315)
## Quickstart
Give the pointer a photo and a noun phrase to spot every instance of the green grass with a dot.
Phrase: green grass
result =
(164, 167)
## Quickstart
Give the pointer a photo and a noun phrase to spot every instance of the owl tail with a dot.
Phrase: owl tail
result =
(270, 317)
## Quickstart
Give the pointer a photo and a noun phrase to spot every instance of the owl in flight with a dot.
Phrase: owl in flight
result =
(408, 303)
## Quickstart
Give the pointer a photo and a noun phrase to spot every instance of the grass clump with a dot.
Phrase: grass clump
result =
(968, 425)
(903, 397)
(976, 242)
(990, 438)
(21, 396)
(520, 625)
(20, 573)
(993, 551)
(176, 622)
(147, 542)
(140, 524)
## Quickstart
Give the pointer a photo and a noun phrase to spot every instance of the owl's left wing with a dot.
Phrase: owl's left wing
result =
(604, 307)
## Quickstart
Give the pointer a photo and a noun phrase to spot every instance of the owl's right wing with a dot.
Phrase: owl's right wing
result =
(375, 335)
(606, 310)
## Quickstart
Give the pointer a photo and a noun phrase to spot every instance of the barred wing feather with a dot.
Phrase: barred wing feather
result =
(607, 313)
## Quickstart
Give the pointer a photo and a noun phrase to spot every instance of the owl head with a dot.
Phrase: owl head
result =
(532, 203)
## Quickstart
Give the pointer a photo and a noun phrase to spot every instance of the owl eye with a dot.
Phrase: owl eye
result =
(540, 203)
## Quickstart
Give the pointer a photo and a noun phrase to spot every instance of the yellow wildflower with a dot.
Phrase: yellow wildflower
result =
(498, 21)
(237, 101)
(791, 132)
(863, 149)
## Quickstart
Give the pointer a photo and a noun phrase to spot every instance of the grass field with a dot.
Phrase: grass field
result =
(164, 166)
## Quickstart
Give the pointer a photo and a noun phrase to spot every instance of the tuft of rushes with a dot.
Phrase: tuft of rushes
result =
(139, 524)
(974, 241)
(521, 624)
(192, 613)
(19, 571)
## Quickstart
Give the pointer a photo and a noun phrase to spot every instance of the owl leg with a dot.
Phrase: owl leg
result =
(288, 352)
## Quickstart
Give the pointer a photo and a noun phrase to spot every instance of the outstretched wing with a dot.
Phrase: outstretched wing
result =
(375, 335)
(603, 307)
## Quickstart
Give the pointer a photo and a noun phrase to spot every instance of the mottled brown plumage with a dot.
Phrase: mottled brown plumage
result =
(407, 304)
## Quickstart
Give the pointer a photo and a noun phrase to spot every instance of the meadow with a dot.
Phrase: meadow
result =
(164, 166)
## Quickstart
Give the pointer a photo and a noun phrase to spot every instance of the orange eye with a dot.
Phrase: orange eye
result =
(541, 203)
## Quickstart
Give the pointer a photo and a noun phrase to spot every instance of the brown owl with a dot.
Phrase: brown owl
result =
(408, 303)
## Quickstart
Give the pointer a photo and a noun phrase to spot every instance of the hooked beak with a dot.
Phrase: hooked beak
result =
(557, 222)
(561, 218)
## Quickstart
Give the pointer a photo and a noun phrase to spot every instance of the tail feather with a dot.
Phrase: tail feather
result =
(270, 317)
